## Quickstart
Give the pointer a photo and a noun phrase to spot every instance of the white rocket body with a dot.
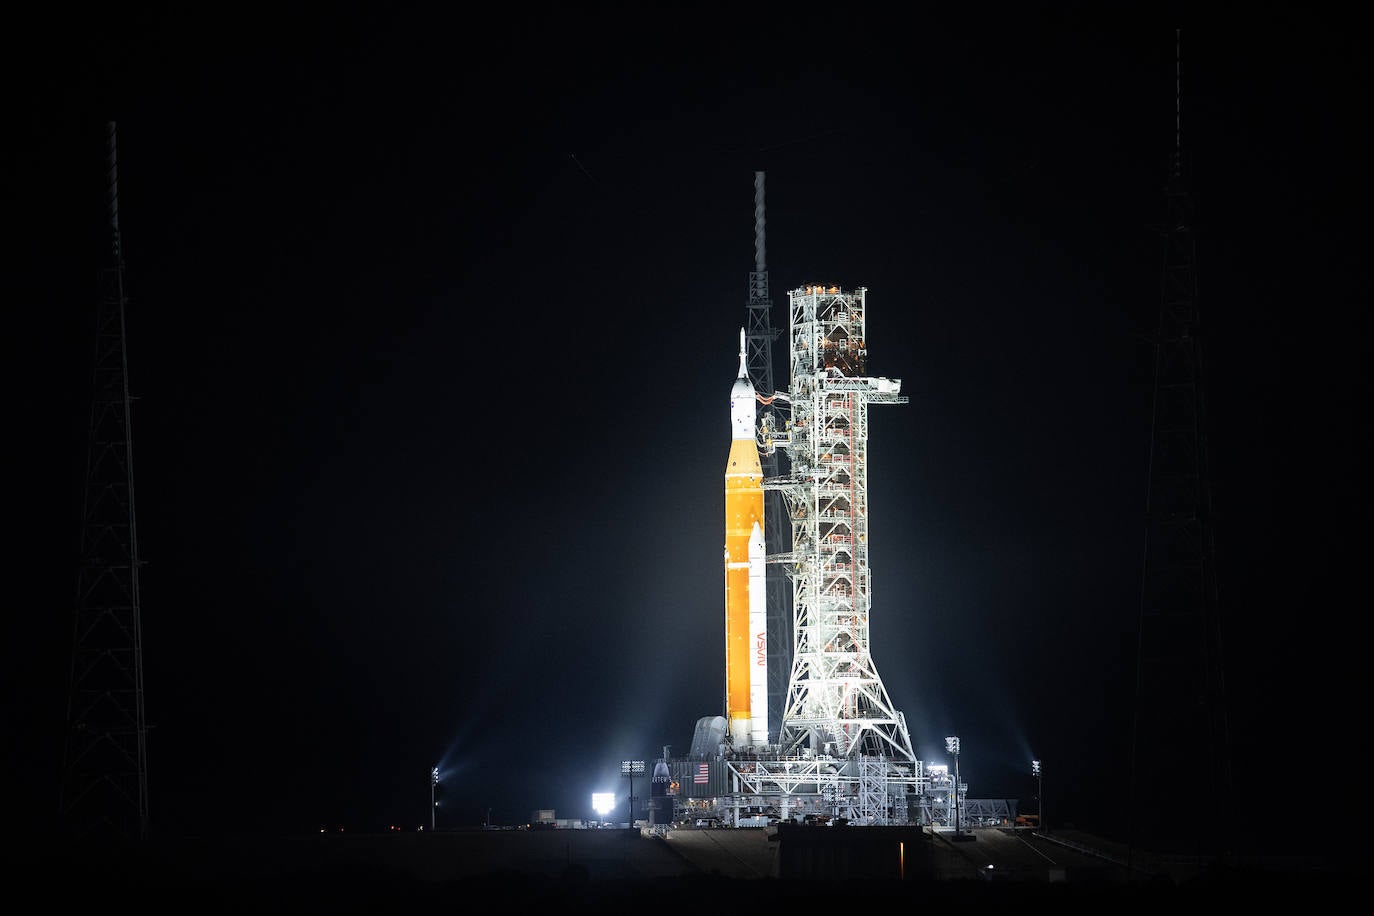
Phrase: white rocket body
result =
(746, 635)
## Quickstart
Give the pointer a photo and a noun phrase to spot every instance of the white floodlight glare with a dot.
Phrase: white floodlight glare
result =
(1035, 767)
(434, 774)
(632, 768)
(603, 802)
(952, 745)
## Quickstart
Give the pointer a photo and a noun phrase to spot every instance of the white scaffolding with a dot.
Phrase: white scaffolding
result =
(836, 703)
(866, 790)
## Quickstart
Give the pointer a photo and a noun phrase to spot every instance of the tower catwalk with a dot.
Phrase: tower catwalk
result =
(778, 538)
(1180, 694)
(836, 702)
(104, 788)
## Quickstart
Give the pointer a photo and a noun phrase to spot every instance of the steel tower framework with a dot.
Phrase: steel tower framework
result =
(1180, 690)
(759, 362)
(104, 787)
(836, 703)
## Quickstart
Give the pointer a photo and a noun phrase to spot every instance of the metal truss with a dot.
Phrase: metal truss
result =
(1180, 699)
(104, 787)
(871, 791)
(941, 800)
(836, 703)
(989, 812)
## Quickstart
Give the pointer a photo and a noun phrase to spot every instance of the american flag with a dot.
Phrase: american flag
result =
(701, 776)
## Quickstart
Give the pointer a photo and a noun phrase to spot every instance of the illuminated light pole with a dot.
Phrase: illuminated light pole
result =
(630, 769)
(952, 746)
(1039, 795)
(433, 802)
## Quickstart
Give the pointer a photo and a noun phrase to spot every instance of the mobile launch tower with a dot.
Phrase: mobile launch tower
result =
(836, 702)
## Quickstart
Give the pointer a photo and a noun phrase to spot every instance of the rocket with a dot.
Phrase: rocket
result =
(746, 629)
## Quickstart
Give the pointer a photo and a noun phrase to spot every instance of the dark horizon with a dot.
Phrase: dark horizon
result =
(431, 334)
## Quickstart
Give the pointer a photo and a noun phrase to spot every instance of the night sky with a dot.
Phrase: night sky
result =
(433, 321)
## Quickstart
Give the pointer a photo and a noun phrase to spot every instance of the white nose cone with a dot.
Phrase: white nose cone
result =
(742, 408)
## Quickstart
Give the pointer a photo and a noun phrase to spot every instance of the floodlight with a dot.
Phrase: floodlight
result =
(603, 802)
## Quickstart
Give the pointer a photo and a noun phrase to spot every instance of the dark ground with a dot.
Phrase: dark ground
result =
(604, 871)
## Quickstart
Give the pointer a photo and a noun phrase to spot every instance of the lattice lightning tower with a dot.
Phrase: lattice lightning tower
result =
(104, 771)
(836, 702)
(1180, 702)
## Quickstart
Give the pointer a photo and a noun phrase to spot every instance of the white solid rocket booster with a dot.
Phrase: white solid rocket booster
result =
(758, 628)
